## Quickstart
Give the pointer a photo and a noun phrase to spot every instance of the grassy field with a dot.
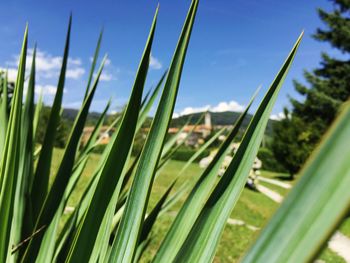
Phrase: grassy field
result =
(253, 208)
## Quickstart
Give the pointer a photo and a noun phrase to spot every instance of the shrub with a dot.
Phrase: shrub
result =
(185, 153)
(269, 161)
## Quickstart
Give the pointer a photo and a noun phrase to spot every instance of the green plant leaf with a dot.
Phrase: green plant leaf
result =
(40, 184)
(151, 218)
(125, 244)
(93, 65)
(10, 157)
(37, 113)
(25, 165)
(201, 243)
(168, 145)
(147, 107)
(53, 200)
(197, 197)
(141, 248)
(3, 114)
(91, 142)
(172, 200)
(169, 150)
(112, 170)
(201, 149)
(315, 206)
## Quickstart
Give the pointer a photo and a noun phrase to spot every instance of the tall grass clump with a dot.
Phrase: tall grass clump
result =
(109, 222)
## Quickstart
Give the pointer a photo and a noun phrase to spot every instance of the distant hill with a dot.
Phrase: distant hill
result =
(218, 118)
(70, 114)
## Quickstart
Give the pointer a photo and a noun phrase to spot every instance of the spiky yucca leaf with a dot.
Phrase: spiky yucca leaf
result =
(316, 205)
(201, 149)
(37, 113)
(197, 197)
(9, 166)
(110, 177)
(151, 218)
(40, 186)
(20, 224)
(201, 243)
(93, 64)
(149, 103)
(3, 113)
(125, 243)
(54, 197)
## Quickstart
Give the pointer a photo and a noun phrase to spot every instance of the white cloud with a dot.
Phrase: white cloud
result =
(154, 63)
(45, 89)
(108, 62)
(11, 73)
(277, 117)
(106, 77)
(75, 73)
(75, 61)
(228, 106)
(73, 105)
(221, 107)
(49, 66)
(190, 110)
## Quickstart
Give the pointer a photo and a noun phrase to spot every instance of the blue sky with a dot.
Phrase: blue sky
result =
(236, 45)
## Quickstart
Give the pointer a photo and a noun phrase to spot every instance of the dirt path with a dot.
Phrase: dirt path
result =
(340, 244)
(275, 182)
(238, 222)
(269, 193)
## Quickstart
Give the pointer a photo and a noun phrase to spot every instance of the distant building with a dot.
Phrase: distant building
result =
(104, 136)
(194, 135)
(207, 120)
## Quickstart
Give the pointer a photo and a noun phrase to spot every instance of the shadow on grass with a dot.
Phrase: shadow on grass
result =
(284, 177)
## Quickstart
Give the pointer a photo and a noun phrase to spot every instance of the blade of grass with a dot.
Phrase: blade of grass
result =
(125, 244)
(201, 243)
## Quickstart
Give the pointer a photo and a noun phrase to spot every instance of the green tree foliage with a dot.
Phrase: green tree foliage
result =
(328, 87)
(63, 129)
(268, 160)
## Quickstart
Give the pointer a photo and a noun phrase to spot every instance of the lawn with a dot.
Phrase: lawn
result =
(253, 208)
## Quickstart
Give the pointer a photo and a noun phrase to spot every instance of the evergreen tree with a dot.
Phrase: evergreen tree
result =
(328, 87)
